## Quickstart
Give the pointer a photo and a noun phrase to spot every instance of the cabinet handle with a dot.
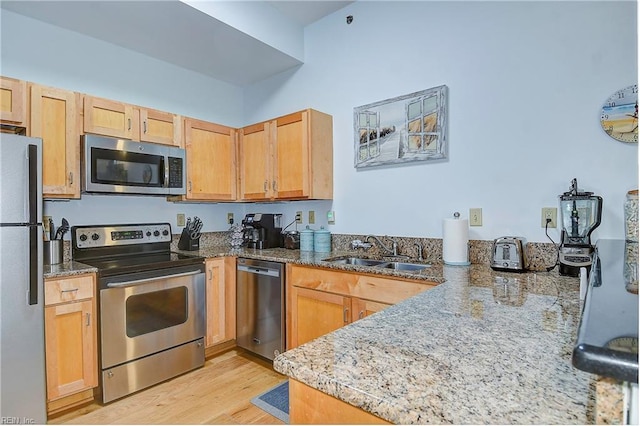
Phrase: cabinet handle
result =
(69, 291)
(144, 127)
(88, 319)
(190, 186)
(70, 178)
(129, 121)
(346, 315)
(266, 186)
(360, 314)
(275, 186)
(210, 275)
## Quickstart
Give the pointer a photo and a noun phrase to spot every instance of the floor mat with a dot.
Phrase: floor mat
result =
(275, 401)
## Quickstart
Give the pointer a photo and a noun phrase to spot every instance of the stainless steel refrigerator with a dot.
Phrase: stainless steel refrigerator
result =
(22, 364)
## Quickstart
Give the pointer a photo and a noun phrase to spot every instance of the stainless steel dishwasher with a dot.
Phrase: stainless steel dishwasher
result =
(260, 325)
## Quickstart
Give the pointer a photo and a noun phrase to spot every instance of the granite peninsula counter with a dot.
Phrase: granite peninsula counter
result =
(482, 347)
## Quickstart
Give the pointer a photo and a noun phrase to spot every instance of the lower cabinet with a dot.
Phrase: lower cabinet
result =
(221, 297)
(310, 406)
(321, 300)
(70, 339)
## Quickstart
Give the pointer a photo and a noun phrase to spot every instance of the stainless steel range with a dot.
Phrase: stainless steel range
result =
(151, 305)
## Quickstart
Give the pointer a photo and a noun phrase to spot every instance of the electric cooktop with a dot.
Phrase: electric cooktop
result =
(607, 341)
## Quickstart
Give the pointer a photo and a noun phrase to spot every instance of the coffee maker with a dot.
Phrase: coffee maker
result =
(262, 230)
(580, 214)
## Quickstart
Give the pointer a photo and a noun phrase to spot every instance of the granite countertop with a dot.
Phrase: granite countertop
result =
(66, 269)
(482, 347)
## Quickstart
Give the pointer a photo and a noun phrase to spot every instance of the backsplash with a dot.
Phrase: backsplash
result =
(539, 256)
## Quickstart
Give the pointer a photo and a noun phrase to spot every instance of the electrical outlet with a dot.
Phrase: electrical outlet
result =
(331, 217)
(230, 218)
(475, 217)
(312, 217)
(180, 219)
(299, 217)
(549, 213)
(45, 224)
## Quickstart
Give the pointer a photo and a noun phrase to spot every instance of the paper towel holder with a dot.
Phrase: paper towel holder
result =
(455, 243)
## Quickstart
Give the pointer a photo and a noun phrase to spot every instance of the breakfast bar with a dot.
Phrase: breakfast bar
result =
(482, 347)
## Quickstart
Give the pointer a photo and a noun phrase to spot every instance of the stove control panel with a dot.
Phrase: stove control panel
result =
(118, 235)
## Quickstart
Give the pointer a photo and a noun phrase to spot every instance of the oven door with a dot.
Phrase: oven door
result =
(147, 312)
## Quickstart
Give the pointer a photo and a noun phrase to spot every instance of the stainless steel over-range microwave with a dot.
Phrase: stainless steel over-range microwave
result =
(122, 166)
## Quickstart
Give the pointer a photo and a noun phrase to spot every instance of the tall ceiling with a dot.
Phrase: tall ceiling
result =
(174, 32)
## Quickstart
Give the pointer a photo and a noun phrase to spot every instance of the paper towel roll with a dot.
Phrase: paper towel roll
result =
(455, 241)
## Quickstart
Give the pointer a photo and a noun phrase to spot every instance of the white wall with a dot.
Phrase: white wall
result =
(526, 82)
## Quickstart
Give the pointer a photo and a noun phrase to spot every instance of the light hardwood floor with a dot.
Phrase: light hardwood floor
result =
(218, 393)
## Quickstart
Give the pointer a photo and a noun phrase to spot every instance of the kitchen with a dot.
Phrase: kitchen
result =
(490, 55)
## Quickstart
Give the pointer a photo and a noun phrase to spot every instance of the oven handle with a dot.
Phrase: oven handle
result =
(146, 280)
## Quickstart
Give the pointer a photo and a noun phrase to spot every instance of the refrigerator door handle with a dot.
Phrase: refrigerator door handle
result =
(33, 184)
(33, 265)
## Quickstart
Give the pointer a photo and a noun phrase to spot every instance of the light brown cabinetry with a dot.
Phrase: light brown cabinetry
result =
(323, 300)
(221, 296)
(211, 161)
(254, 173)
(55, 118)
(70, 337)
(120, 120)
(311, 406)
(13, 101)
(290, 157)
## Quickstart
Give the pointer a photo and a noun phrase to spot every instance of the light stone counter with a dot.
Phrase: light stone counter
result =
(482, 347)
(66, 269)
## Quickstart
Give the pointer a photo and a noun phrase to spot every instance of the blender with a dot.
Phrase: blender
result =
(580, 214)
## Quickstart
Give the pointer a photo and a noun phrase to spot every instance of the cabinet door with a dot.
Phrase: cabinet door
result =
(160, 127)
(110, 118)
(363, 308)
(255, 162)
(70, 344)
(220, 292)
(211, 161)
(316, 313)
(13, 100)
(291, 149)
(55, 119)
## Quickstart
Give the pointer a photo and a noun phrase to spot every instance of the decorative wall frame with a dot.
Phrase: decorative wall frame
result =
(400, 130)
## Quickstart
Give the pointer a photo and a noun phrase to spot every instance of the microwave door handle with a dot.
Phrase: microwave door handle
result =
(166, 171)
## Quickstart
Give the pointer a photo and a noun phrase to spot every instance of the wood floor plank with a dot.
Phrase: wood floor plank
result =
(218, 393)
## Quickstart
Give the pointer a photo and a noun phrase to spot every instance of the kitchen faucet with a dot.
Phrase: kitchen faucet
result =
(394, 247)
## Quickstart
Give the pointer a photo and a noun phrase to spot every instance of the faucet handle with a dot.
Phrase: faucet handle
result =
(356, 244)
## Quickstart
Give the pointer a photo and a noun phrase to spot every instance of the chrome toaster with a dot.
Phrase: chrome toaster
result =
(508, 254)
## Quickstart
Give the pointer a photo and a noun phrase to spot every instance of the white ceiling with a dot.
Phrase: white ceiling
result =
(175, 32)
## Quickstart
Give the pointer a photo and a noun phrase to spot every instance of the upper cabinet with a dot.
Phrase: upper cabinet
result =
(110, 118)
(121, 120)
(288, 158)
(55, 118)
(211, 161)
(160, 127)
(13, 101)
(254, 174)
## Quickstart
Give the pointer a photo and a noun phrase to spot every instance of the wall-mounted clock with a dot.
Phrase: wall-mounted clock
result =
(619, 117)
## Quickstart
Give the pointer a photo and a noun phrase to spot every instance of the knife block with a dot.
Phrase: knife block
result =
(188, 243)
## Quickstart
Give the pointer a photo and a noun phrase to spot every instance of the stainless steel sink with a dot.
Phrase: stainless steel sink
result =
(405, 267)
(356, 261)
(360, 261)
